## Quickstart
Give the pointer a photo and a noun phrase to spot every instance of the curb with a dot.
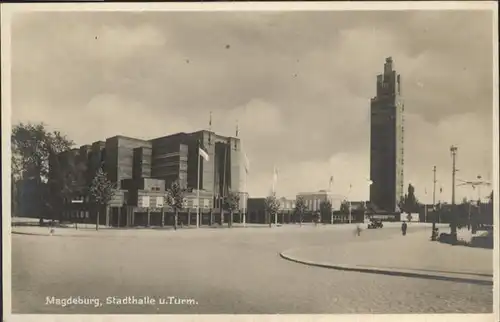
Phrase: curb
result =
(142, 230)
(65, 235)
(391, 272)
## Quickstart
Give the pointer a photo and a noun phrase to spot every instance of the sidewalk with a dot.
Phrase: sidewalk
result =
(88, 230)
(413, 255)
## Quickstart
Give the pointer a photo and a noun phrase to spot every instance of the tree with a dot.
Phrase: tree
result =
(231, 204)
(300, 207)
(32, 145)
(402, 203)
(272, 206)
(175, 199)
(15, 176)
(344, 207)
(101, 191)
(325, 209)
(362, 207)
(409, 203)
(67, 178)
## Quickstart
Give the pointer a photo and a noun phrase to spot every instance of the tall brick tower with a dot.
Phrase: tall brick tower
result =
(387, 141)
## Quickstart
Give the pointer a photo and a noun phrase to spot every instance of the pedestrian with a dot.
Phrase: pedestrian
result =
(358, 230)
(51, 227)
(404, 227)
(316, 218)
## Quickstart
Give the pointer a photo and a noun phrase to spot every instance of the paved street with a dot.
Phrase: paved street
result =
(412, 256)
(223, 271)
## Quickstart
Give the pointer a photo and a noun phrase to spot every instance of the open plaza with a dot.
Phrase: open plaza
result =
(250, 161)
(252, 270)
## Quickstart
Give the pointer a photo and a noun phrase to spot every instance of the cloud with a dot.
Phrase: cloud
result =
(298, 83)
(474, 158)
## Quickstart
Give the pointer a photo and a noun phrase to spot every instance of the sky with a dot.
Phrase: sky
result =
(298, 84)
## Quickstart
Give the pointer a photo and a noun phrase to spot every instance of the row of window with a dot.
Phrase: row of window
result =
(313, 204)
(159, 202)
(172, 164)
(166, 155)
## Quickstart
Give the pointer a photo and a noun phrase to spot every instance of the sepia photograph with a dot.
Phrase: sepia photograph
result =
(250, 161)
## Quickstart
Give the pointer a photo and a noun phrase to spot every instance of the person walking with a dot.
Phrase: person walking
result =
(358, 230)
(316, 218)
(404, 227)
(51, 227)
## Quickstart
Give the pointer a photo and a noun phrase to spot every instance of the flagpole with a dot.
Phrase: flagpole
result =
(228, 146)
(330, 199)
(245, 200)
(198, 190)
(425, 206)
(245, 178)
(212, 203)
(275, 182)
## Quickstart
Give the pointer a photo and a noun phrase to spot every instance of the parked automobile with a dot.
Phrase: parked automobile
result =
(375, 223)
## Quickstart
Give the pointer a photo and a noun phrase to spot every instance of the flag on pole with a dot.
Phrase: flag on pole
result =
(275, 178)
(203, 154)
(210, 129)
(247, 163)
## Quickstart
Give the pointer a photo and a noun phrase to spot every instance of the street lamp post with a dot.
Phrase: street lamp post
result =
(349, 199)
(453, 150)
(479, 191)
(369, 182)
(434, 212)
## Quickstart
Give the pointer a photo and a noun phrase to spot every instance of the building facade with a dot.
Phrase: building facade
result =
(257, 211)
(387, 141)
(120, 153)
(176, 157)
(143, 170)
(287, 204)
(313, 200)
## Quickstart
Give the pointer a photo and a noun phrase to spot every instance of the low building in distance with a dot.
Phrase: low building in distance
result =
(257, 211)
(313, 200)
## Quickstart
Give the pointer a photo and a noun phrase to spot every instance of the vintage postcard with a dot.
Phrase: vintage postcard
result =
(247, 161)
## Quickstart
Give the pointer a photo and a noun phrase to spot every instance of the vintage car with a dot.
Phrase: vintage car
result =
(375, 223)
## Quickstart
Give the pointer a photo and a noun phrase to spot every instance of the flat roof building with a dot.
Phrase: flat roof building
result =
(169, 158)
(314, 199)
